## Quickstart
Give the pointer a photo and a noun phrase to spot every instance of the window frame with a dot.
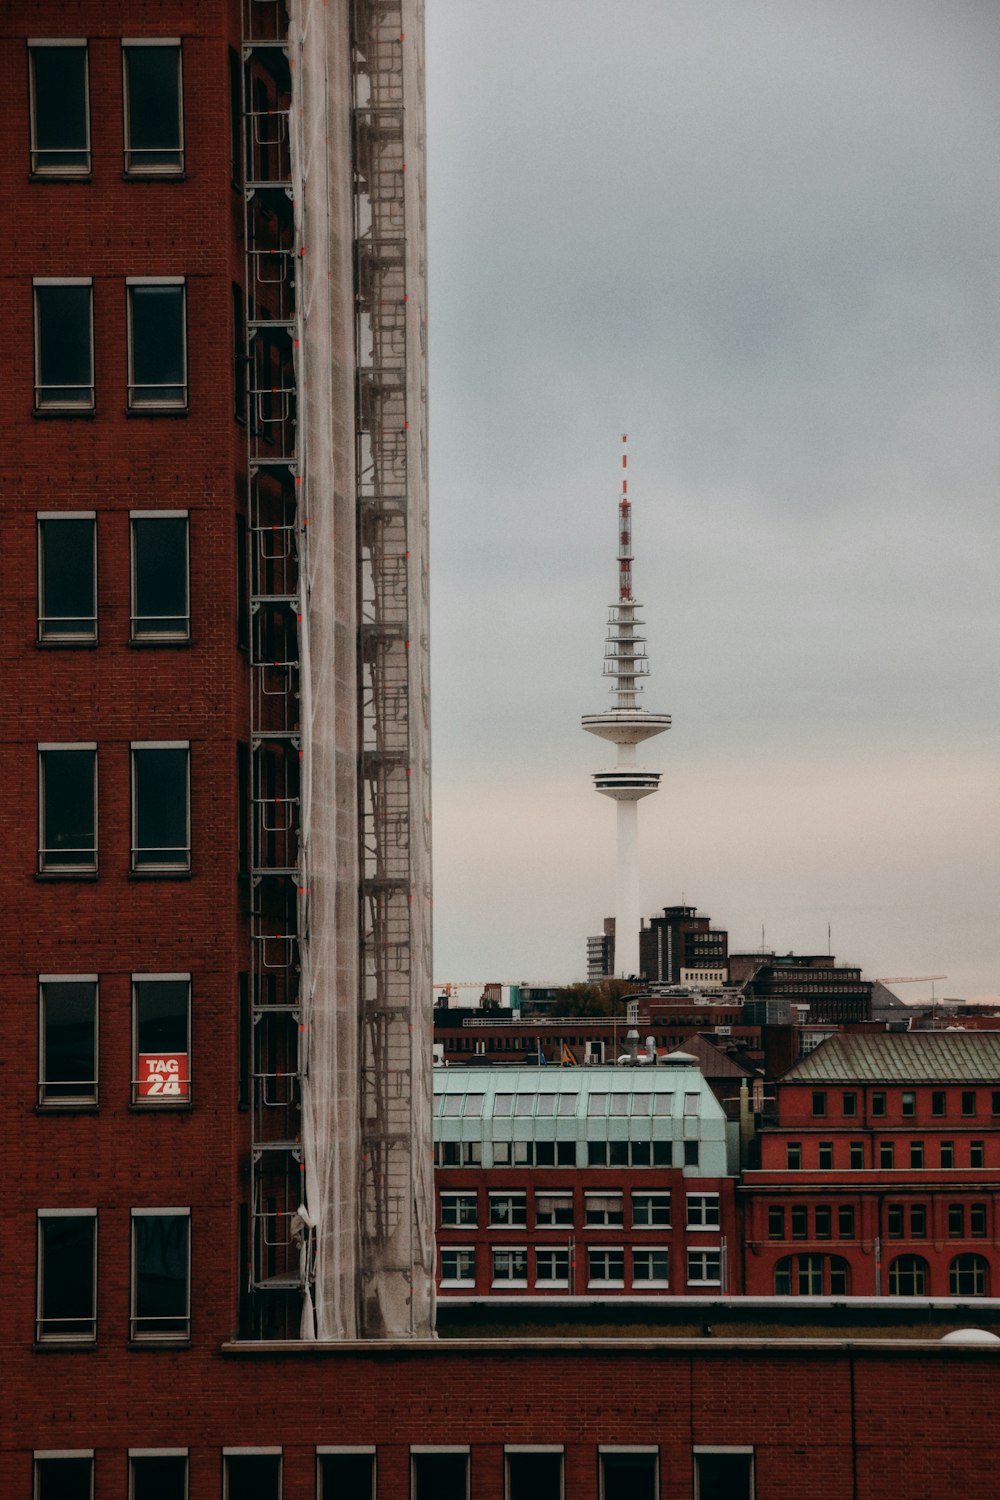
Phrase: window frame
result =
(977, 1155)
(623, 1450)
(912, 1267)
(157, 1099)
(456, 1199)
(80, 868)
(158, 867)
(344, 1450)
(552, 1250)
(700, 1218)
(736, 1450)
(496, 1251)
(63, 169)
(656, 1205)
(603, 1210)
(47, 636)
(969, 1263)
(607, 1257)
(525, 1450)
(53, 404)
(173, 1336)
(156, 1453)
(518, 1209)
(89, 1335)
(702, 1254)
(161, 170)
(646, 1252)
(228, 1453)
(81, 1100)
(430, 1450)
(456, 1251)
(154, 406)
(182, 631)
(58, 1455)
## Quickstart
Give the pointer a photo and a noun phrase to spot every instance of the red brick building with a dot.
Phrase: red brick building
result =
(880, 1172)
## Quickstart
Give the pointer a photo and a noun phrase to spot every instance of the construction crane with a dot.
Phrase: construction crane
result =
(908, 978)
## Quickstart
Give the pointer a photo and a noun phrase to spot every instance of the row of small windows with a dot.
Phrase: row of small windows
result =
(152, 96)
(543, 1105)
(829, 1155)
(160, 1295)
(68, 1040)
(529, 1472)
(161, 814)
(554, 1266)
(565, 1153)
(649, 1210)
(908, 1276)
(878, 1103)
(156, 345)
(67, 577)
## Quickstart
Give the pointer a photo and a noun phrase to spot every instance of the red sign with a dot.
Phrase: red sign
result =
(163, 1075)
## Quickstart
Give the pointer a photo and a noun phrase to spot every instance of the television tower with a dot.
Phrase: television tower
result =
(626, 725)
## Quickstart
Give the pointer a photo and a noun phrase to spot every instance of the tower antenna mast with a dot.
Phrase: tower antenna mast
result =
(626, 725)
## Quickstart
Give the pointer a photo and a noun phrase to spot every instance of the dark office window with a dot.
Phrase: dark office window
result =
(938, 1102)
(968, 1101)
(690, 1153)
(67, 1276)
(346, 1476)
(857, 1156)
(995, 1101)
(723, 1476)
(154, 127)
(845, 1222)
(887, 1155)
(64, 345)
(64, 1478)
(628, 1476)
(918, 1222)
(947, 1153)
(878, 1104)
(908, 1276)
(956, 1220)
(909, 1105)
(916, 1154)
(850, 1105)
(161, 608)
(776, 1222)
(800, 1223)
(67, 806)
(161, 1300)
(67, 577)
(534, 1476)
(977, 1220)
(819, 1103)
(977, 1154)
(158, 1476)
(157, 345)
(161, 826)
(67, 1072)
(826, 1156)
(824, 1223)
(894, 1221)
(161, 1019)
(969, 1276)
(252, 1476)
(440, 1476)
(793, 1155)
(60, 113)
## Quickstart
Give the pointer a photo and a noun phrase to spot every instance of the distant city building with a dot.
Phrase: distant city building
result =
(781, 987)
(601, 953)
(681, 947)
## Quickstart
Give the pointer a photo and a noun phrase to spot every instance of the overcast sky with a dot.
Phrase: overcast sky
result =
(763, 238)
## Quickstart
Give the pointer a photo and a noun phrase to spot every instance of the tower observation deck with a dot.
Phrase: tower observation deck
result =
(626, 725)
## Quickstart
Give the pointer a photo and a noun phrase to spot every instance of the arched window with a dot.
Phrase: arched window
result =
(969, 1276)
(811, 1276)
(908, 1276)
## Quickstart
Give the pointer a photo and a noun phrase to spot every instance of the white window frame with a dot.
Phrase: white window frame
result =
(345, 1450)
(158, 1101)
(67, 1101)
(655, 1199)
(508, 1250)
(604, 1281)
(174, 867)
(418, 1450)
(35, 44)
(624, 1450)
(48, 633)
(136, 1335)
(606, 1216)
(732, 1448)
(41, 404)
(699, 1211)
(700, 1255)
(518, 1199)
(458, 1250)
(553, 1281)
(46, 1455)
(137, 404)
(657, 1282)
(251, 1453)
(173, 169)
(561, 1198)
(182, 630)
(454, 1199)
(41, 1337)
(82, 867)
(525, 1450)
(134, 1453)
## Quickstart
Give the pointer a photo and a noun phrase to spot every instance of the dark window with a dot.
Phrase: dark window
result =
(346, 1476)
(157, 353)
(908, 1276)
(507, 1209)
(161, 831)
(60, 113)
(458, 1264)
(857, 1156)
(440, 1476)
(938, 1102)
(161, 1018)
(819, 1104)
(628, 1476)
(649, 1210)
(909, 1104)
(239, 354)
(850, 1105)
(977, 1154)
(161, 1302)
(154, 130)
(793, 1156)
(916, 1154)
(968, 1276)
(878, 1104)
(824, 1223)
(64, 345)
(918, 1221)
(67, 797)
(956, 1220)
(552, 1266)
(67, 1072)
(947, 1153)
(67, 1275)
(252, 1476)
(969, 1102)
(995, 1104)
(826, 1156)
(845, 1222)
(800, 1223)
(977, 1220)
(887, 1155)
(67, 577)
(776, 1222)
(534, 1476)
(663, 1153)
(894, 1221)
(690, 1153)
(603, 1209)
(607, 1265)
(161, 609)
(723, 1476)
(158, 1476)
(64, 1478)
